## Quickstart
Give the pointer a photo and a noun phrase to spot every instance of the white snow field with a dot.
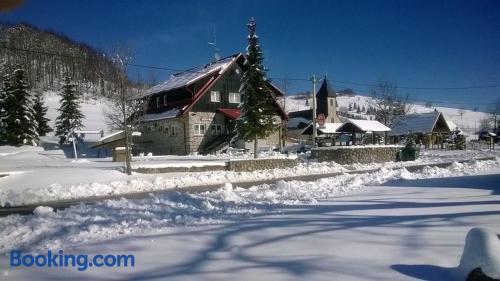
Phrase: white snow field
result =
(385, 225)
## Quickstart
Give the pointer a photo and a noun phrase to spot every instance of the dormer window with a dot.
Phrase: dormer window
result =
(214, 96)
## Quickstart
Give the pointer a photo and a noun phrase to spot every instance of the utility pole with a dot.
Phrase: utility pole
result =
(313, 79)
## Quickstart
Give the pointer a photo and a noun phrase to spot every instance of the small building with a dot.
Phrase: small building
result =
(364, 131)
(351, 132)
(430, 129)
(194, 111)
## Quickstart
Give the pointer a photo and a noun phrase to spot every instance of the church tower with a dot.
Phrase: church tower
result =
(326, 102)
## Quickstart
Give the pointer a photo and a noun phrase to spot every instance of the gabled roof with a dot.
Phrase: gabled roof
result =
(418, 123)
(179, 84)
(326, 89)
(188, 77)
(367, 125)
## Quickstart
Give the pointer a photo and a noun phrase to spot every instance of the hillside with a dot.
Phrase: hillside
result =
(47, 56)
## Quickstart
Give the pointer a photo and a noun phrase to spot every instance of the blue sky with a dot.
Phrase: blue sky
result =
(416, 43)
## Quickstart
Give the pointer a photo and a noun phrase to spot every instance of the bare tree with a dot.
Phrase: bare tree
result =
(461, 112)
(125, 105)
(388, 103)
(494, 112)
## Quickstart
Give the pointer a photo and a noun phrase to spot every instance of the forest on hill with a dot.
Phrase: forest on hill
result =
(48, 56)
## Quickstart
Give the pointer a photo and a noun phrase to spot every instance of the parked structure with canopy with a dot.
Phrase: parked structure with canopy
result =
(431, 128)
(351, 132)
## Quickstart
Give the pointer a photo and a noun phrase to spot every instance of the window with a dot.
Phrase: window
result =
(165, 100)
(234, 98)
(331, 102)
(165, 130)
(216, 130)
(199, 129)
(150, 128)
(214, 96)
(174, 130)
(157, 102)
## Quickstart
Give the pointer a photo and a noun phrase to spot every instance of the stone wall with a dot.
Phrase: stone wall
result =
(260, 164)
(197, 142)
(160, 170)
(232, 165)
(162, 137)
(356, 154)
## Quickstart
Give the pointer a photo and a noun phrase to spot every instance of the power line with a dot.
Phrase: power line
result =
(277, 78)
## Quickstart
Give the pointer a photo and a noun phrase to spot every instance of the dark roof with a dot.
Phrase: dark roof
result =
(326, 89)
(419, 123)
(177, 86)
(188, 77)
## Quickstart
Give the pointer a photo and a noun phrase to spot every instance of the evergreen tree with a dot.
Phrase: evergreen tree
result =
(350, 107)
(358, 110)
(3, 108)
(257, 110)
(40, 112)
(363, 109)
(20, 122)
(70, 117)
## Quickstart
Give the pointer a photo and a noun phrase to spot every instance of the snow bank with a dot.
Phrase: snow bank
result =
(157, 213)
(482, 249)
(143, 183)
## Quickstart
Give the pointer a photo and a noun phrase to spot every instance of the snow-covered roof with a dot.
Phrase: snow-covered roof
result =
(327, 128)
(112, 137)
(369, 125)
(451, 125)
(190, 76)
(171, 113)
(416, 123)
(295, 122)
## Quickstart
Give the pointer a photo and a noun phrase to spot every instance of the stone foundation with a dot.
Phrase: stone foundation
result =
(245, 165)
(260, 164)
(356, 154)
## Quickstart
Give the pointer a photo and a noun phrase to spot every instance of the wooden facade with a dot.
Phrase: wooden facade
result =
(198, 117)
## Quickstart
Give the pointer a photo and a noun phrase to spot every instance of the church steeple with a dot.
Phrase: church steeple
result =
(327, 102)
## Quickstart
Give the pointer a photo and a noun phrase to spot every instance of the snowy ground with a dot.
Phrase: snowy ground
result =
(386, 225)
(33, 175)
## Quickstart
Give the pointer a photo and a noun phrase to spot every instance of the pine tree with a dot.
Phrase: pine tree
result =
(40, 112)
(350, 107)
(257, 111)
(70, 117)
(21, 125)
(3, 108)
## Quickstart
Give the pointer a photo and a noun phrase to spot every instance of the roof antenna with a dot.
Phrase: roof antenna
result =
(214, 44)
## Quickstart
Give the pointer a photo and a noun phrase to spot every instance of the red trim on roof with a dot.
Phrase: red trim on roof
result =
(210, 82)
(231, 113)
